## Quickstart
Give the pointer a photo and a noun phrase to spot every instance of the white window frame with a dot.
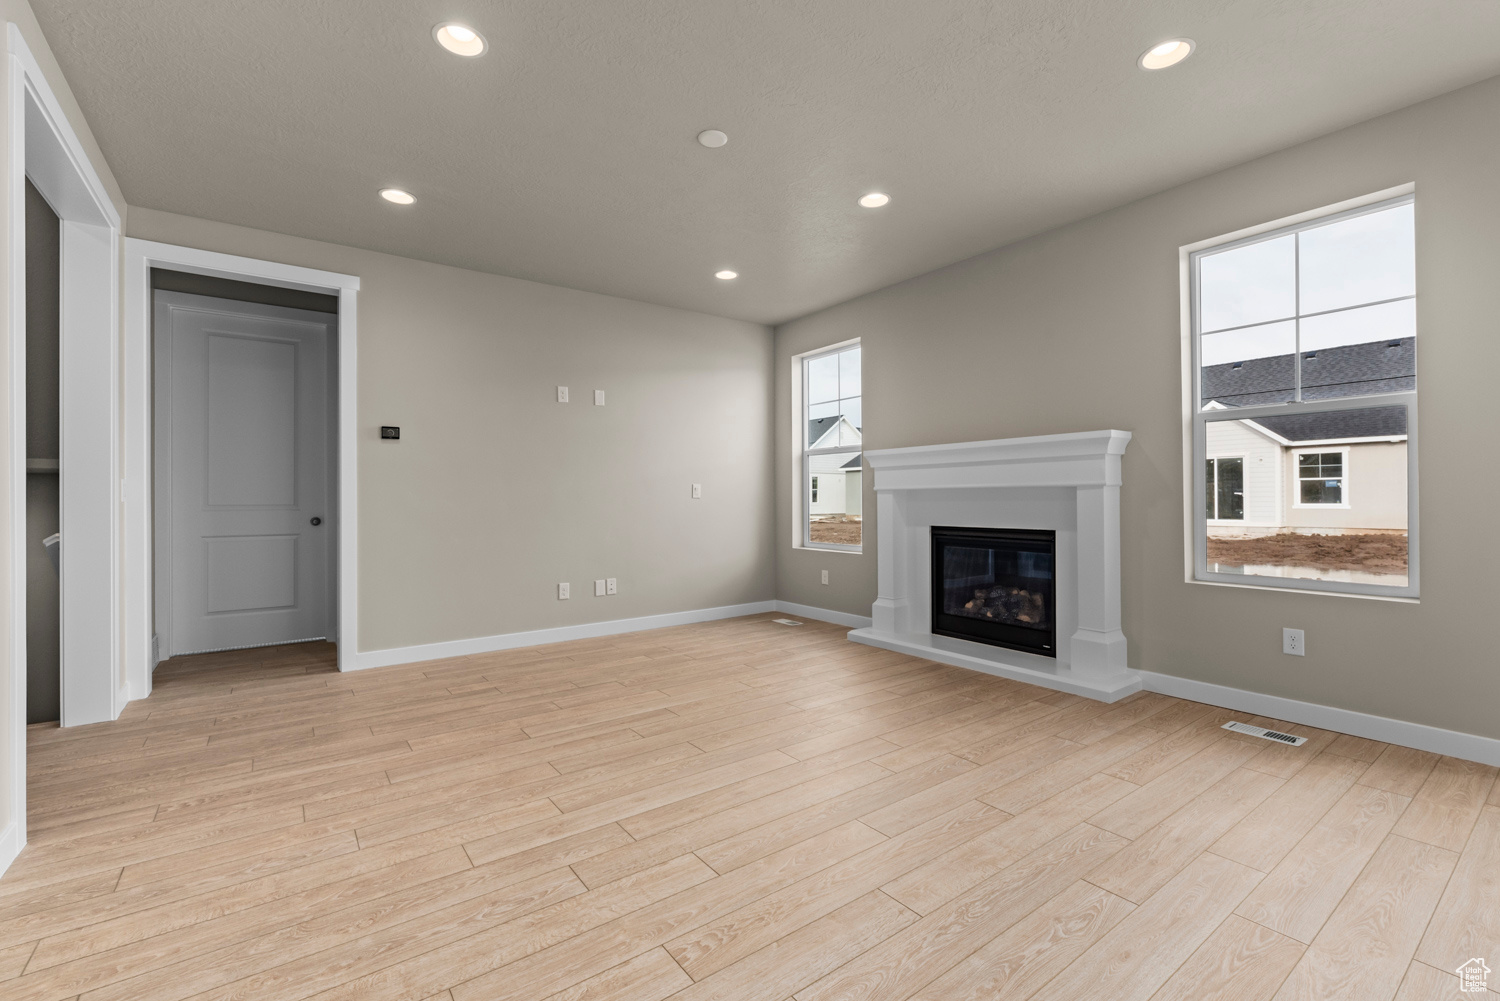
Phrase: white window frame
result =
(1196, 418)
(1297, 455)
(1225, 522)
(805, 450)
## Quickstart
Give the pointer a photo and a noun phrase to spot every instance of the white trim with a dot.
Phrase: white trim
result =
(140, 257)
(824, 614)
(15, 832)
(1394, 439)
(539, 637)
(10, 844)
(1469, 746)
(43, 145)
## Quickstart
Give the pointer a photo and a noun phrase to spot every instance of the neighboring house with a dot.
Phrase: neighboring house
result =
(1317, 473)
(837, 477)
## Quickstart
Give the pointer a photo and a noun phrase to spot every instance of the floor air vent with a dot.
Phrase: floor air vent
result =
(1262, 732)
(786, 622)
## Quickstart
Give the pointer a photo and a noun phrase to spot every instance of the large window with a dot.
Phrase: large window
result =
(1225, 489)
(1304, 362)
(832, 471)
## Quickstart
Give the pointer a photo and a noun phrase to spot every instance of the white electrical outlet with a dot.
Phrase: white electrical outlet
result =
(825, 576)
(563, 592)
(562, 394)
(609, 586)
(599, 588)
(1292, 643)
(598, 397)
(697, 491)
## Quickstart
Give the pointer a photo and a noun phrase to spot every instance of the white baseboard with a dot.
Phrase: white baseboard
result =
(365, 659)
(10, 845)
(1469, 746)
(824, 615)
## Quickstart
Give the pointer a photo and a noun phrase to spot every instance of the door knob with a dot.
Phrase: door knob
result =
(317, 521)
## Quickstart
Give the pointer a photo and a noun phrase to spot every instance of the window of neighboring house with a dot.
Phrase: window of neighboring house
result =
(1303, 343)
(1320, 478)
(1225, 489)
(832, 423)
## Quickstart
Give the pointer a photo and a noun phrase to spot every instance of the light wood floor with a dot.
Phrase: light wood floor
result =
(735, 810)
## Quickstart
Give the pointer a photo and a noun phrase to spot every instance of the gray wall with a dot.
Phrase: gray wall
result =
(1078, 329)
(495, 492)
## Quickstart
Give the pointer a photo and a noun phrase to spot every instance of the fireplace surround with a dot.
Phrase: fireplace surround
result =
(1064, 484)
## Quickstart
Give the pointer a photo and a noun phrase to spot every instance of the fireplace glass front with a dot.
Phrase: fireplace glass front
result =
(995, 586)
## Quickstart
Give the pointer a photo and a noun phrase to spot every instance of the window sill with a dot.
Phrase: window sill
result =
(846, 550)
(1403, 599)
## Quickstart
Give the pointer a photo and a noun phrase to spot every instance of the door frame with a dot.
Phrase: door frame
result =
(43, 145)
(141, 256)
(163, 466)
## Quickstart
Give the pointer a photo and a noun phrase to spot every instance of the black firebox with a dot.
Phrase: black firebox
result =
(997, 586)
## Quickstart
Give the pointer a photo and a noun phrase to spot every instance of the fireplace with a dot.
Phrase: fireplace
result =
(995, 586)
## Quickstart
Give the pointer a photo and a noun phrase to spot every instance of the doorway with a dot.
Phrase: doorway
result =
(245, 410)
(43, 470)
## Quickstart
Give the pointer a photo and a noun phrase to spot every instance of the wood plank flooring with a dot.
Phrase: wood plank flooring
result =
(734, 810)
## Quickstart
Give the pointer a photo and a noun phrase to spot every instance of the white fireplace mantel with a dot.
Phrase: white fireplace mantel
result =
(1067, 483)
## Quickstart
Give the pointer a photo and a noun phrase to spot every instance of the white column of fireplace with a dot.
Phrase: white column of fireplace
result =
(1065, 483)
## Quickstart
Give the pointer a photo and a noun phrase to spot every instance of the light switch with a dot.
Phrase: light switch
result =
(598, 588)
(697, 491)
(598, 397)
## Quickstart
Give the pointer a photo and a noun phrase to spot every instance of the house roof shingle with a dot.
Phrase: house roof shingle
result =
(1335, 425)
(1349, 370)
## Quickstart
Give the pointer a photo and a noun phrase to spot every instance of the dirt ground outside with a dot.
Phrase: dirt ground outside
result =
(1370, 553)
(839, 530)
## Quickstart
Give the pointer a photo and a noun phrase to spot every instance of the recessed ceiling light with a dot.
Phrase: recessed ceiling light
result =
(875, 199)
(459, 39)
(1168, 53)
(726, 275)
(712, 138)
(396, 196)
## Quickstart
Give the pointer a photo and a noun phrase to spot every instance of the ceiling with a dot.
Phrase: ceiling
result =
(567, 153)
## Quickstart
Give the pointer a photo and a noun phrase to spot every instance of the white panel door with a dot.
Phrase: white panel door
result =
(247, 395)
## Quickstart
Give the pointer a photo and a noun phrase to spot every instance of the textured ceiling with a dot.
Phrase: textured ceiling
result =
(566, 154)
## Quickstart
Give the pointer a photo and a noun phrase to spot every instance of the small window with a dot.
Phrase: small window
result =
(1320, 477)
(1303, 344)
(832, 468)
